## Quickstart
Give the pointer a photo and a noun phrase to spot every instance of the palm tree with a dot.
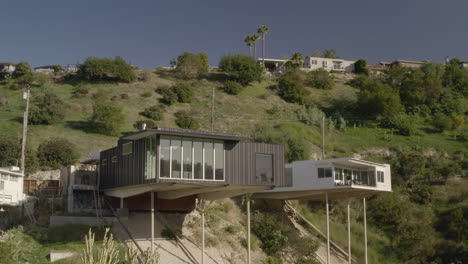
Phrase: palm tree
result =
(255, 38)
(248, 42)
(297, 59)
(263, 30)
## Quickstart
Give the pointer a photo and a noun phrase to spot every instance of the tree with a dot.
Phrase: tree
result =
(409, 165)
(22, 68)
(191, 65)
(184, 120)
(254, 39)
(456, 77)
(10, 154)
(442, 122)
(107, 117)
(263, 30)
(106, 69)
(184, 92)
(320, 79)
(330, 53)
(57, 68)
(271, 231)
(241, 68)
(360, 67)
(291, 88)
(296, 61)
(46, 109)
(57, 153)
(248, 42)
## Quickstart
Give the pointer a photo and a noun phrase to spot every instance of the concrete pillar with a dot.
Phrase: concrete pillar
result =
(152, 222)
(249, 259)
(328, 229)
(349, 237)
(202, 203)
(365, 229)
(121, 202)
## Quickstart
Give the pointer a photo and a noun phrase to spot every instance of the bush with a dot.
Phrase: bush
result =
(154, 112)
(46, 109)
(183, 92)
(106, 69)
(184, 120)
(320, 79)
(169, 97)
(107, 117)
(191, 65)
(271, 232)
(291, 88)
(168, 233)
(146, 94)
(57, 153)
(405, 124)
(360, 67)
(22, 69)
(138, 125)
(80, 91)
(124, 96)
(442, 122)
(232, 87)
(241, 68)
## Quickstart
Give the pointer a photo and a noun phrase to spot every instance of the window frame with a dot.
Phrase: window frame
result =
(380, 177)
(104, 162)
(114, 159)
(272, 165)
(193, 140)
(123, 148)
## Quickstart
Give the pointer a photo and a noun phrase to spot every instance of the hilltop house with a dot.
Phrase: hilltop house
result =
(340, 178)
(182, 165)
(6, 69)
(310, 64)
(464, 64)
(48, 69)
(11, 186)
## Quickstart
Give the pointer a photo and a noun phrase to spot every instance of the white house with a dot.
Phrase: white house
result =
(328, 64)
(339, 178)
(7, 68)
(11, 186)
(311, 63)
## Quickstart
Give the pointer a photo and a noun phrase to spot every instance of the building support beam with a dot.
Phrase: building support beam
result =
(328, 229)
(365, 229)
(202, 207)
(152, 222)
(349, 236)
(247, 196)
(121, 202)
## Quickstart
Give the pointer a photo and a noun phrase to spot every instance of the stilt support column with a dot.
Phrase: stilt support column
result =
(249, 259)
(365, 229)
(328, 229)
(152, 222)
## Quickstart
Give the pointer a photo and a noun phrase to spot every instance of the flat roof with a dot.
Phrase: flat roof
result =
(183, 132)
(347, 160)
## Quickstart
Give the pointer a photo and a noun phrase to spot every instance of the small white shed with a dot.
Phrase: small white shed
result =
(11, 186)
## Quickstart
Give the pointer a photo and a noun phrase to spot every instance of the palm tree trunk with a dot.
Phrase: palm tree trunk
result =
(263, 49)
(255, 51)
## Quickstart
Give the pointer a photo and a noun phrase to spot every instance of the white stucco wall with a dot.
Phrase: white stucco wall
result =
(346, 65)
(12, 192)
(305, 176)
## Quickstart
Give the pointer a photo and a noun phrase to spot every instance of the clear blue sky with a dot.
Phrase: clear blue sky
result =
(150, 33)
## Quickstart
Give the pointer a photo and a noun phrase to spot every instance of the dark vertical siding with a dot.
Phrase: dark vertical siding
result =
(240, 162)
(239, 165)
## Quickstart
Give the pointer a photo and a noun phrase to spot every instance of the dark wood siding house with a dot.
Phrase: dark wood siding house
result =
(181, 163)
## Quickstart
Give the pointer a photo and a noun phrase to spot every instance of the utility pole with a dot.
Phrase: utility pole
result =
(25, 128)
(212, 109)
(323, 136)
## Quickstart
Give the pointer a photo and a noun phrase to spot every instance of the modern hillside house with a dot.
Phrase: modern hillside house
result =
(278, 66)
(187, 164)
(339, 178)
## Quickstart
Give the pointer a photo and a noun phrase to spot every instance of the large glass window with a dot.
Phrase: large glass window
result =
(219, 160)
(197, 160)
(176, 152)
(324, 172)
(264, 168)
(150, 172)
(190, 158)
(164, 157)
(187, 158)
(127, 148)
(208, 148)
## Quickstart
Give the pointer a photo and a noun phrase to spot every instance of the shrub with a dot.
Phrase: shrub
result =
(168, 233)
(241, 68)
(320, 79)
(169, 97)
(106, 69)
(10, 154)
(184, 120)
(232, 87)
(107, 117)
(232, 229)
(154, 112)
(57, 153)
(270, 230)
(22, 69)
(124, 96)
(442, 122)
(146, 94)
(405, 124)
(46, 109)
(191, 65)
(360, 67)
(183, 92)
(139, 124)
(291, 88)
(80, 92)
